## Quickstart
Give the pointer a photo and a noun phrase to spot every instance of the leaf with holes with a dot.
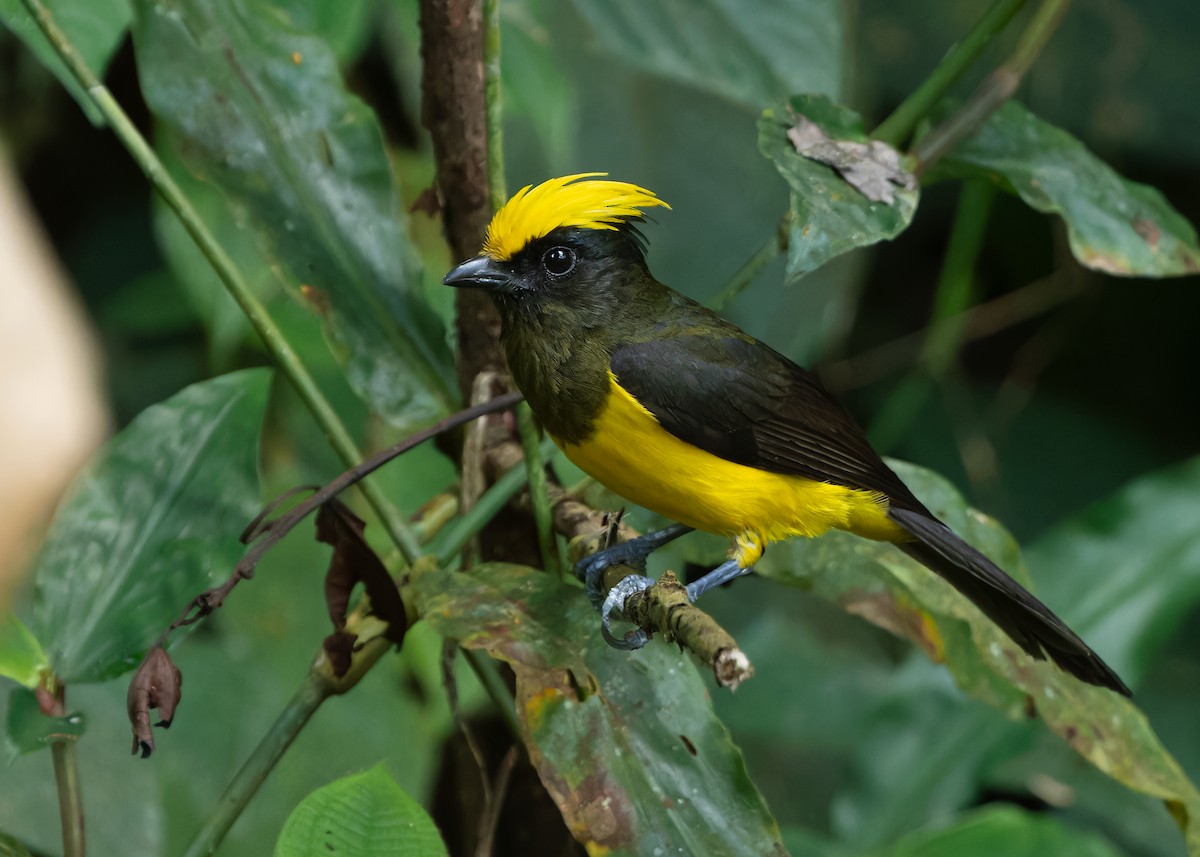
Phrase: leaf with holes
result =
(626, 742)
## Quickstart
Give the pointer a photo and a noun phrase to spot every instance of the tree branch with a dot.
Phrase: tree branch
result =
(662, 608)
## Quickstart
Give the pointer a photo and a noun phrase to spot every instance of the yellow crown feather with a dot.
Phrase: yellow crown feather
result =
(579, 200)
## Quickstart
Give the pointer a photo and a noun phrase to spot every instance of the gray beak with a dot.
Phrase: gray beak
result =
(479, 273)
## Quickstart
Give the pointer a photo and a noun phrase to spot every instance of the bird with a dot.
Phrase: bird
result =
(680, 411)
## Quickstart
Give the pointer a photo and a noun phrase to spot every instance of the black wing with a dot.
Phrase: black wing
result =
(736, 398)
(744, 402)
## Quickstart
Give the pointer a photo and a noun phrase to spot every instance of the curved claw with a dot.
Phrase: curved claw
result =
(616, 599)
(633, 553)
(591, 571)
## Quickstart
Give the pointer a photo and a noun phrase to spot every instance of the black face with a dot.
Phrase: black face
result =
(572, 264)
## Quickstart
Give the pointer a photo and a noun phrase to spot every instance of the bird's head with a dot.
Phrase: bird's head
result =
(568, 240)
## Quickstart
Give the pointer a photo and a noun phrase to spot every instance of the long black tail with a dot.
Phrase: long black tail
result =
(1028, 621)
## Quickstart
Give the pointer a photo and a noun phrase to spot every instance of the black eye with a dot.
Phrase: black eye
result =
(559, 261)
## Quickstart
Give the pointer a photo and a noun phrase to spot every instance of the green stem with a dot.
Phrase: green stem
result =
(496, 688)
(314, 691)
(539, 489)
(993, 91)
(493, 97)
(452, 539)
(273, 339)
(745, 275)
(901, 408)
(70, 799)
(956, 284)
(896, 128)
(955, 293)
(1033, 39)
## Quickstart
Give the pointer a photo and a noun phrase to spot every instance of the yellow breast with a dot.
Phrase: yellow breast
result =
(633, 455)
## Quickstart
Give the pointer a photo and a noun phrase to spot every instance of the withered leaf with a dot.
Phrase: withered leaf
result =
(157, 684)
(354, 561)
(872, 168)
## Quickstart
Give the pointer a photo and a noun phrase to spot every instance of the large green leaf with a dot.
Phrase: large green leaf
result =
(263, 113)
(94, 27)
(829, 216)
(1003, 832)
(152, 522)
(1127, 570)
(881, 584)
(753, 53)
(363, 815)
(626, 743)
(1114, 225)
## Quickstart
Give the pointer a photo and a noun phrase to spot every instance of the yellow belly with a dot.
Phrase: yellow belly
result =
(634, 456)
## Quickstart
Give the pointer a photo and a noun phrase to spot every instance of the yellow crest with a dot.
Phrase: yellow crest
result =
(578, 200)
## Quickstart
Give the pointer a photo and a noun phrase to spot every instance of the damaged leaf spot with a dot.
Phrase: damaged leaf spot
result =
(872, 168)
(1148, 230)
(687, 742)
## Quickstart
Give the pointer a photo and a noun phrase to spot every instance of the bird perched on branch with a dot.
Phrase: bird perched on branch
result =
(680, 411)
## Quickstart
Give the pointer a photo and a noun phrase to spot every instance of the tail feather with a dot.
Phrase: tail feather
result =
(1029, 623)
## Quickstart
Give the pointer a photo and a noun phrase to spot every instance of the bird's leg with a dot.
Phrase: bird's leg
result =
(723, 573)
(748, 548)
(632, 553)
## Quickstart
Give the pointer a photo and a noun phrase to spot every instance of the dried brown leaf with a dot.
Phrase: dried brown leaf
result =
(157, 684)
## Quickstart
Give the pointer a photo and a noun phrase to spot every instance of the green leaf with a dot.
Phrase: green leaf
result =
(626, 743)
(829, 216)
(877, 582)
(1113, 224)
(753, 53)
(152, 522)
(1003, 832)
(1127, 569)
(537, 89)
(27, 729)
(10, 847)
(363, 815)
(345, 26)
(94, 27)
(227, 326)
(21, 655)
(262, 112)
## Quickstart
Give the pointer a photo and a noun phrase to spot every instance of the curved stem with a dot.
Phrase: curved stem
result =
(494, 98)
(745, 275)
(262, 761)
(539, 493)
(70, 799)
(956, 284)
(899, 125)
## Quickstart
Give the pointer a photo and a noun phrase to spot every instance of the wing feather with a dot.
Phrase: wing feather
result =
(740, 400)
